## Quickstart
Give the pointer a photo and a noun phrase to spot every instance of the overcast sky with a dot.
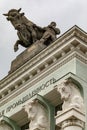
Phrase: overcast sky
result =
(66, 13)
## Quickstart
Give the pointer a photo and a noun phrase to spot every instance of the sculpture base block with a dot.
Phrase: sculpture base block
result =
(25, 56)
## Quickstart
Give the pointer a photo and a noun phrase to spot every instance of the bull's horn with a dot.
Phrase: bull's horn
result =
(5, 14)
(19, 9)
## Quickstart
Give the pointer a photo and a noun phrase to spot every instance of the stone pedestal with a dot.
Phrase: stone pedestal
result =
(26, 55)
(72, 119)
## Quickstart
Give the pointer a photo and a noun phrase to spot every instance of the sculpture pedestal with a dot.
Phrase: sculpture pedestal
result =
(72, 119)
(27, 55)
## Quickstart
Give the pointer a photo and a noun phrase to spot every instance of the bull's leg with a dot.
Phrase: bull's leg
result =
(16, 45)
(21, 43)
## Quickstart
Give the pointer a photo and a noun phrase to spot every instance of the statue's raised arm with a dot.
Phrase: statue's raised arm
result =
(28, 32)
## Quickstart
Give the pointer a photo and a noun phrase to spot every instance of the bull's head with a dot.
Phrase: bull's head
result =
(14, 16)
(13, 13)
(12, 10)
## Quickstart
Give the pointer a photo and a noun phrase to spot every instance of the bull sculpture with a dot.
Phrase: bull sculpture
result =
(28, 32)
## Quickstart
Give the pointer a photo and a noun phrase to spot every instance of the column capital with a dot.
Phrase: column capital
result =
(70, 117)
(72, 122)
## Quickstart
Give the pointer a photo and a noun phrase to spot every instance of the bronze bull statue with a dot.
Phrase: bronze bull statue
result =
(28, 32)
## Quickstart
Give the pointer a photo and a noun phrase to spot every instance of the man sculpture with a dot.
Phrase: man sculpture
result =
(28, 32)
(71, 96)
(37, 115)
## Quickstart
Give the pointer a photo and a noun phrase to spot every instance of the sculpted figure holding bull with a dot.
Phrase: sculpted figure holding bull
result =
(28, 32)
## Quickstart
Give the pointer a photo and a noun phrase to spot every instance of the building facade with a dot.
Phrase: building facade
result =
(56, 77)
